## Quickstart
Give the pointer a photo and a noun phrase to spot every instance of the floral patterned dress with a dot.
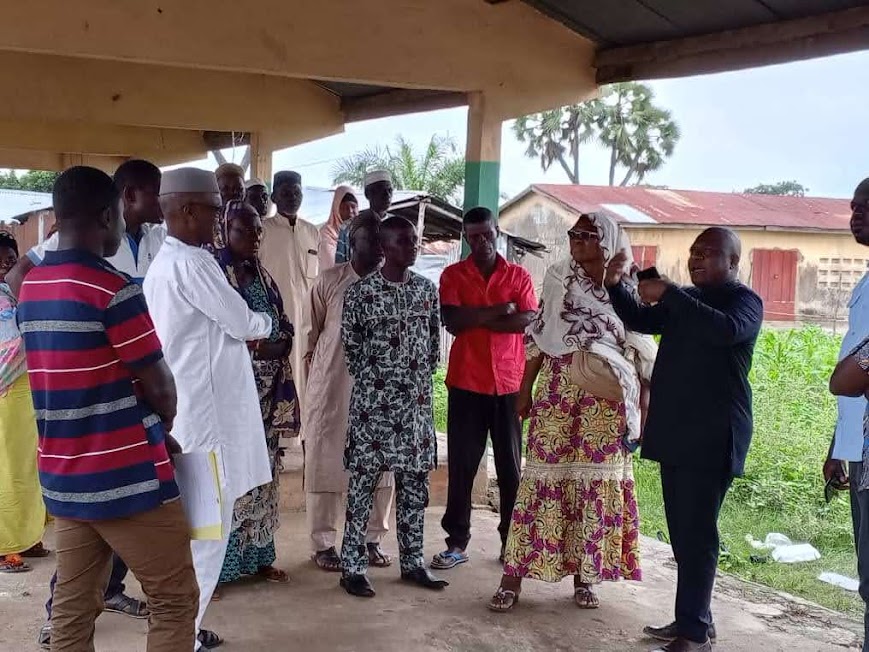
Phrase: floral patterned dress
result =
(255, 515)
(576, 510)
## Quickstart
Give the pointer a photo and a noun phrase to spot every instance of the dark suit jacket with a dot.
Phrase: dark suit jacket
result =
(700, 408)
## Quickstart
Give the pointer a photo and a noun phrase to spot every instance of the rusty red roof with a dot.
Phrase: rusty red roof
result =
(633, 205)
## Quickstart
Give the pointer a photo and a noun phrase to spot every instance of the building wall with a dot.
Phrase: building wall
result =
(29, 234)
(829, 263)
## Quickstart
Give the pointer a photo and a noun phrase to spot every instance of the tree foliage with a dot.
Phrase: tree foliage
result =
(34, 180)
(438, 170)
(789, 188)
(639, 135)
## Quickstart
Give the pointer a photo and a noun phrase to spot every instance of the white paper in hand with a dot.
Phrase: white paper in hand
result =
(199, 482)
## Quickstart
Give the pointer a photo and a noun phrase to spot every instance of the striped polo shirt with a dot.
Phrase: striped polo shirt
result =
(86, 328)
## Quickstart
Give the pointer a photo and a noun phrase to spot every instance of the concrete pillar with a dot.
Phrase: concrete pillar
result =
(482, 155)
(260, 158)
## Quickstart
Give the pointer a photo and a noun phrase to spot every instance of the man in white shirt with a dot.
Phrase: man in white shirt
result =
(205, 327)
(847, 445)
(289, 252)
(138, 182)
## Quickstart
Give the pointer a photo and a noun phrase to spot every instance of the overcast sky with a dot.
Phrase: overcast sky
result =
(803, 121)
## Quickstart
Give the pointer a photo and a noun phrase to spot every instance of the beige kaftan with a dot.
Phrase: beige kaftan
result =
(329, 385)
(289, 253)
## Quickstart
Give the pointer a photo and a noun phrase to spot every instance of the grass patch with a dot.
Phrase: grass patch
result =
(783, 490)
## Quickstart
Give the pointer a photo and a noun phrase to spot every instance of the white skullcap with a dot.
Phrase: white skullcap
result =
(188, 180)
(253, 183)
(376, 175)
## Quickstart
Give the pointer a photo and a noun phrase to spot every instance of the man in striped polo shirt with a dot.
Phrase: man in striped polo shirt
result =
(105, 401)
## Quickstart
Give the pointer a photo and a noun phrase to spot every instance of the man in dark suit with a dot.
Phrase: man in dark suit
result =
(699, 423)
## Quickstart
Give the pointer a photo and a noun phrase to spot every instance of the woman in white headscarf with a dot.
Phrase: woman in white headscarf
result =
(576, 510)
(344, 208)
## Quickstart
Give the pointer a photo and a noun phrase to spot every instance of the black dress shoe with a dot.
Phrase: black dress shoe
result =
(684, 645)
(669, 633)
(424, 578)
(357, 585)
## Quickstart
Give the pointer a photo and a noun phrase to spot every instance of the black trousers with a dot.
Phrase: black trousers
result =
(471, 417)
(692, 501)
(860, 517)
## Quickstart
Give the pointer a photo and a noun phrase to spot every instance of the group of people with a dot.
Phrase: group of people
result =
(171, 314)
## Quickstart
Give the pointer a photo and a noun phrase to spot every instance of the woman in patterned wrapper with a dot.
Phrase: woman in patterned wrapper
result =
(251, 549)
(576, 509)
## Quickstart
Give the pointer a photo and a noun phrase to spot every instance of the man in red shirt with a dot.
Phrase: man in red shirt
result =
(486, 303)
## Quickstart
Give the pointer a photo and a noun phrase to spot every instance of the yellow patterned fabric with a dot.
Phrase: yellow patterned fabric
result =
(22, 511)
(576, 510)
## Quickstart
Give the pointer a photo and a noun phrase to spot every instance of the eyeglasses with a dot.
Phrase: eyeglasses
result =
(583, 236)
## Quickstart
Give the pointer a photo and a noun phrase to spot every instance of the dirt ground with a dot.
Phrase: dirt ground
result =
(313, 614)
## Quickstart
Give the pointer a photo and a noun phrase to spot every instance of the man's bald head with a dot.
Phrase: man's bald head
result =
(860, 213)
(714, 257)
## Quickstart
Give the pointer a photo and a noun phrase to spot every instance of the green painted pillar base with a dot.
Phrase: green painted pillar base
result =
(482, 185)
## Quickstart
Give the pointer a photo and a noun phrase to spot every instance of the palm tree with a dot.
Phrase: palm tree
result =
(439, 170)
(639, 135)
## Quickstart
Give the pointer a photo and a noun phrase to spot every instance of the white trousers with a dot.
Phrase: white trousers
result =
(208, 561)
(325, 509)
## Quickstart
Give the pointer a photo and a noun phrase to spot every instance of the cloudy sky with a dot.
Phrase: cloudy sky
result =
(804, 121)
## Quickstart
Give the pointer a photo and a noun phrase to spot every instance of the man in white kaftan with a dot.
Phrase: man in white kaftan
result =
(289, 252)
(329, 388)
(204, 326)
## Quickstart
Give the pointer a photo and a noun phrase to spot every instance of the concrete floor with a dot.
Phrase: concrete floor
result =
(314, 615)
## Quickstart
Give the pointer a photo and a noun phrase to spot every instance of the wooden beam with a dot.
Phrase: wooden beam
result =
(804, 38)
(398, 102)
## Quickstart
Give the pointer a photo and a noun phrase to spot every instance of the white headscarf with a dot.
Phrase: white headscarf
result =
(576, 313)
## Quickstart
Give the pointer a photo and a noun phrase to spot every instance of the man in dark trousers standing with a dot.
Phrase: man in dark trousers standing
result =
(486, 303)
(700, 422)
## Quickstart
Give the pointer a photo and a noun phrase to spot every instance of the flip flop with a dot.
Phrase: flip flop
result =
(13, 564)
(38, 551)
(449, 559)
(272, 574)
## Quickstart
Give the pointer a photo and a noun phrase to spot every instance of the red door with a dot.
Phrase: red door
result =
(645, 256)
(774, 278)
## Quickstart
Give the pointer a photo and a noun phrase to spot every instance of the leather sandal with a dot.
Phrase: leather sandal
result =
(503, 601)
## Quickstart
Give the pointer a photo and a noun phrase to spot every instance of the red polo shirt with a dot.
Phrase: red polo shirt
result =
(482, 361)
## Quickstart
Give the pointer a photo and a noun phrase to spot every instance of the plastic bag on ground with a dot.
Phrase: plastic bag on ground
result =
(847, 583)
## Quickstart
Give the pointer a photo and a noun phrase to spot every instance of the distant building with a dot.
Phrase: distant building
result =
(28, 216)
(798, 252)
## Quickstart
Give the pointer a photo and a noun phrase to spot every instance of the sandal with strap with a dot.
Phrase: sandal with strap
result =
(327, 560)
(449, 559)
(503, 601)
(378, 558)
(272, 574)
(38, 551)
(585, 598)
(13, 564)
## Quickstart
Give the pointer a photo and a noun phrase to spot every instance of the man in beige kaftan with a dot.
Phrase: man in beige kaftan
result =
(289, 252)
(325, 428)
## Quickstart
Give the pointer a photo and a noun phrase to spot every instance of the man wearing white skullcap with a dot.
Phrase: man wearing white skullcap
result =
(257, 195)
(289, 252)
(205, 327)
(378, 192)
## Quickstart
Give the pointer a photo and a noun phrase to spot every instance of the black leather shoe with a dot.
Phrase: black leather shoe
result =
(358, 585)
(425, 579)
(684, 645)
(668, 633)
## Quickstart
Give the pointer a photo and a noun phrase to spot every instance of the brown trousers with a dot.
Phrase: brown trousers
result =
(156, 547)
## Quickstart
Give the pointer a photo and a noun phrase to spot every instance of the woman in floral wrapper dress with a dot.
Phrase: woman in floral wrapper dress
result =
(251, 549)
(576, 510)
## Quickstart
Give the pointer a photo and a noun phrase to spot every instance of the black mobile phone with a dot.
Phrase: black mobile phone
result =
(648, 274)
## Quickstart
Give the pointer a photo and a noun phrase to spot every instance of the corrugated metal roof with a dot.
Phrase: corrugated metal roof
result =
(634, 205)
(18, 203)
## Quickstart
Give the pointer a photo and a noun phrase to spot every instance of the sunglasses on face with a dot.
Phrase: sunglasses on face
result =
(583, 236)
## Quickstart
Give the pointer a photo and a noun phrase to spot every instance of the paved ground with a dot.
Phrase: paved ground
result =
(314, 615)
